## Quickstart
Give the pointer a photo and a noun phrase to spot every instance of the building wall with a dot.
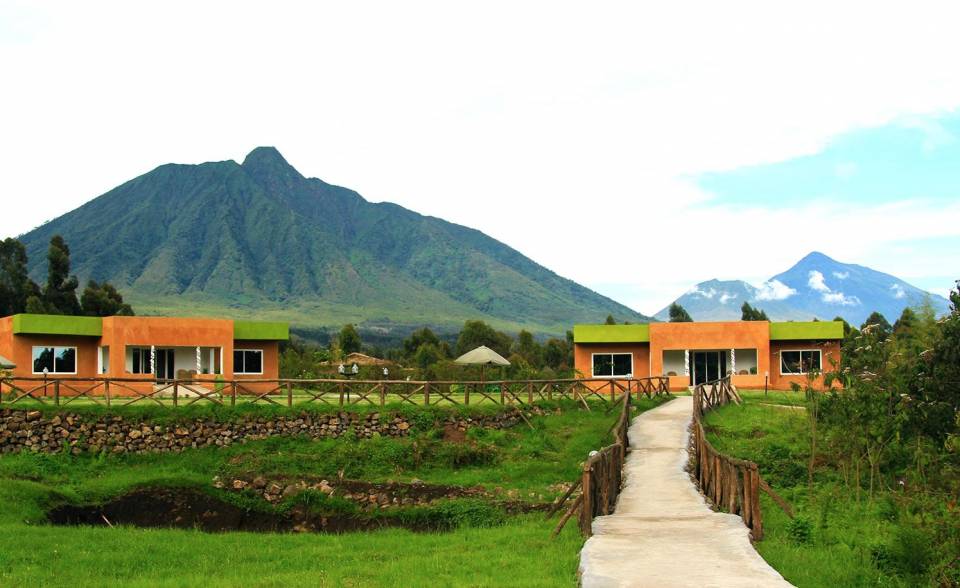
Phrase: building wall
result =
(583, 357)
(830, 356)
(120, 332)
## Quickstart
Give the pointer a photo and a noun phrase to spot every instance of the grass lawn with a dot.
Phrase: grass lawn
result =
(523, 463)
(838, 539)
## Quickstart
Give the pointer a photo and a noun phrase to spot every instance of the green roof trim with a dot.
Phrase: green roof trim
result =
(611, 333)
(55, 324)
(814, 330)
(260, 331)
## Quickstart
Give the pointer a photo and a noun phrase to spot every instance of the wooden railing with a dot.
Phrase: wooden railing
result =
(61, 391)
(602, 475)
(729, 483)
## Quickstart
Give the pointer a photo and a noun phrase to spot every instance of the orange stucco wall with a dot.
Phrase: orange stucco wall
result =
(121, 332)
(583, 357)
(830, 358)
(709, 336)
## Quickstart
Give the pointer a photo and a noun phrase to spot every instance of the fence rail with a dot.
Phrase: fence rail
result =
(602, 474)
(729, 483)
(61, 391)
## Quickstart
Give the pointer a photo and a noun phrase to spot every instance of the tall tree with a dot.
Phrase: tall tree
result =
(103, 300)
(59, 295)
(477, 333)
(16, 287)
(679, 314)
(349, 339)
(610, 320)
(529, 349)
(749, 313)
(879, 324)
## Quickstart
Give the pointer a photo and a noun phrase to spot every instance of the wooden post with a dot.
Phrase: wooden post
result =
(529, 392)
(756, 516)
(56, 392)
(340, 389)
(233, 393)
(586, 512)
(426, 393)
(503, 395)
(289, 393)
(176, 392)
(383, 395)
(466, 394)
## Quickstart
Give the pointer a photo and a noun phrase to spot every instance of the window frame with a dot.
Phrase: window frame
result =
(76, 360)
(246, 373)
(611, 354)
(801, 352)
(144, 360)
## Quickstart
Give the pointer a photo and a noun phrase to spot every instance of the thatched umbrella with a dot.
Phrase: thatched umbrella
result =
(482, 356)
(6, 364)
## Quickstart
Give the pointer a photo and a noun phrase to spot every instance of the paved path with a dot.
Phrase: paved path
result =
(662, 532)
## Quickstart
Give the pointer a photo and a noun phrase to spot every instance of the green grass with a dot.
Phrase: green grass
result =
(840, 540)
(521, 463)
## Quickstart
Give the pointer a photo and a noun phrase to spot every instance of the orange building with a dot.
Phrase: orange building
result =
(755, 353)
(159, 348)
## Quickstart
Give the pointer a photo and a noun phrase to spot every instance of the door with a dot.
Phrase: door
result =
(708, 366)
(164, 364)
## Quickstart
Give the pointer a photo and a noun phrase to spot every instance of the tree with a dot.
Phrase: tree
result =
(427, 355)
(422, 337)
(528, 348)
(349, 340)
(679, 314)
(16, 287)
(59, 295)
(103, 300)
(477, 333)
(610, 320)
(880, 323)
(556, 354)
(749, 313)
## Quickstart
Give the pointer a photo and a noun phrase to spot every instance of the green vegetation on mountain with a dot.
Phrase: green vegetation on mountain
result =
(260, 240)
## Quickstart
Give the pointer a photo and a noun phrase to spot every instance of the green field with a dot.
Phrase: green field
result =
(518, 464)
(841, 537)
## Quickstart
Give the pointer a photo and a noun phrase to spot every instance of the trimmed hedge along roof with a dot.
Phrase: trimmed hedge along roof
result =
(91, 326)
(789, 331)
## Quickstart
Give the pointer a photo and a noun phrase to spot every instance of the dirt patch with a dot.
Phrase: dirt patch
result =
(452, 433)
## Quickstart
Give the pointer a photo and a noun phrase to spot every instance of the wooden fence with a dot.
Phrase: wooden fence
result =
(62, 391)
(602, 475)
(731, 484)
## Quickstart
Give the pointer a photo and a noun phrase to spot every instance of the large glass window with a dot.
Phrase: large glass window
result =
(799, 361)
(141, 360)
(248, 361)
(609, 365)
(56, 360)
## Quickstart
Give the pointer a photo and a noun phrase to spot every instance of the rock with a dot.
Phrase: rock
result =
(33, 415)
(240, 484)
(259, 482)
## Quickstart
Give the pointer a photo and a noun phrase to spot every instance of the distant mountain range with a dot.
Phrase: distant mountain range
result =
(816, 287)
(258, 239)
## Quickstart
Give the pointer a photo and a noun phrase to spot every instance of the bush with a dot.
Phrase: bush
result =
(800, 530)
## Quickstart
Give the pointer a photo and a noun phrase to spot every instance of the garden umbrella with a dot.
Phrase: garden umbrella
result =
(6, 364)
(482, 356)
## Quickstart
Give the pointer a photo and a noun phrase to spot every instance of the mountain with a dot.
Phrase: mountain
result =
(815, 287)
(258, 239)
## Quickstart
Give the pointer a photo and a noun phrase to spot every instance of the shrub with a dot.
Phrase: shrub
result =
(800, 530)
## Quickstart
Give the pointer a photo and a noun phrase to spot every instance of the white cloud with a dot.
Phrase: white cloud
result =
(774, 290)
(697, 291)
(840, 298)
(935, 135)
(898, 291)
(727, 297)
(841, 275)
(817, 282)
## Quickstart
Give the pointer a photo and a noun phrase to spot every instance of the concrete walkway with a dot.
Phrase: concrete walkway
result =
(662, 532)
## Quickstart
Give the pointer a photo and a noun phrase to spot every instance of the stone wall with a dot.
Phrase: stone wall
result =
(24, 430)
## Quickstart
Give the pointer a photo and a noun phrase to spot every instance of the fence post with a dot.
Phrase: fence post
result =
(466, 394)
(426, 393)
(56, 392)
(383, 395)
(176, 392)
(289, 393)
(233, 393)
(106, 390)
(586, 506)
(503, 395)
(529, 392)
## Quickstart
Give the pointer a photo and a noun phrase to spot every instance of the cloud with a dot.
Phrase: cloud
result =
(841, 275)
(840, 298)
(935, 135)
(726, 297)
(898, 291)
(696, 291)
(817, 282)
(774, 290)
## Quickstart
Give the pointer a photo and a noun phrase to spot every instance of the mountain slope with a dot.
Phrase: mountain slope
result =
(259, 239)
(815, 287)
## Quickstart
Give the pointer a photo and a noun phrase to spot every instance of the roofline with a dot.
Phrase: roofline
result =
(92, 326)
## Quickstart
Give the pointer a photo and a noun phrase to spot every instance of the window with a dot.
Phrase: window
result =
(610, 365)
(56, 360)
(799, 362)
(248, 361)
(141, 361)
